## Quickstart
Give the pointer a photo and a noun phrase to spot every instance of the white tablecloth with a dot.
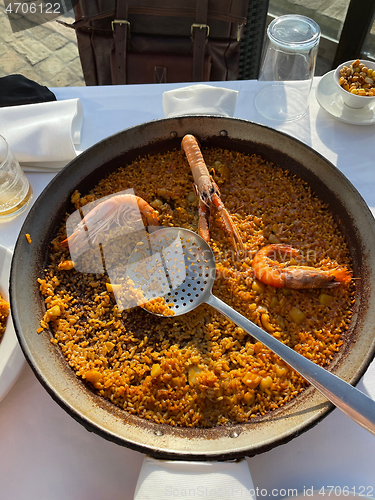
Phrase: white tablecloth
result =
(46, 455)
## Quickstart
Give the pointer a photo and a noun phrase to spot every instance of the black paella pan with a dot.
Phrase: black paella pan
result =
(161, 440)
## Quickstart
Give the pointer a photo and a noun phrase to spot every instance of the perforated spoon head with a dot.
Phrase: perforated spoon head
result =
(175, 264)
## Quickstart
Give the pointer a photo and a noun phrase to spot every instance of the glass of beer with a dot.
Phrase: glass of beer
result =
(15, 190)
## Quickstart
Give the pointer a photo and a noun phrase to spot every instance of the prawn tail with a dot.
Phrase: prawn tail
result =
(269, 275)
(341, 275)
(191, 148)
(196, 161)
(151, 216)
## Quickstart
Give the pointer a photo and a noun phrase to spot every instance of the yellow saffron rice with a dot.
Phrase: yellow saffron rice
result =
(199, 369)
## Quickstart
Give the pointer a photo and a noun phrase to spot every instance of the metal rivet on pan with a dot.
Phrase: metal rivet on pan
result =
(234, 434)
(173, 134)
(223, 133)
(159, 433)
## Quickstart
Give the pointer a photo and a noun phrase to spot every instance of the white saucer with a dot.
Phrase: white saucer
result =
(11, 357)
(329, 99)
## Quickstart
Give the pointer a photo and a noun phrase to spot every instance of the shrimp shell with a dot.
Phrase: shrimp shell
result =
(273, 273)
(121, 209)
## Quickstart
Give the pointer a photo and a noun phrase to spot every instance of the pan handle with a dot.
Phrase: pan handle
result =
(350, 400)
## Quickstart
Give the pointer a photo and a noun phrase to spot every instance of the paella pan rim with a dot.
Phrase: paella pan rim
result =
(163, 441)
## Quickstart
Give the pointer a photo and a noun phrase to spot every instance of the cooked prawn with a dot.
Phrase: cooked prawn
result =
(122, 209)
(208, 192)
(271, 272)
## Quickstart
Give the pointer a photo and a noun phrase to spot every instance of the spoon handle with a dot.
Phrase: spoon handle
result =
(350, 400)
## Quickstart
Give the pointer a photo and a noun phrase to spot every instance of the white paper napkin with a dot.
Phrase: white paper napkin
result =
(44, 135)
(199, 99)
(163, 480)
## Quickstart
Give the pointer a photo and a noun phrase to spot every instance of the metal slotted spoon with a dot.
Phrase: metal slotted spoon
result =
(179, 265)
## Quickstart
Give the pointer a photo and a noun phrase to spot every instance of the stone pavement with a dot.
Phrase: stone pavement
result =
(47, 53)
(329, 14)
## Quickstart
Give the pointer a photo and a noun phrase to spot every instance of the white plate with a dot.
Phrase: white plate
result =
(11, 357)
(330, 100)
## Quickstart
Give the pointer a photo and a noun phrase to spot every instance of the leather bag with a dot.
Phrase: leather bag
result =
(159, 41)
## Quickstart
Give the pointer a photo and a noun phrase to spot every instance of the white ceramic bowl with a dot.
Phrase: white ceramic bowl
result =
(352, 100)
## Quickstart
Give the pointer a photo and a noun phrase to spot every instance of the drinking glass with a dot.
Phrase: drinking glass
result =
(288, 60)
(15, 190)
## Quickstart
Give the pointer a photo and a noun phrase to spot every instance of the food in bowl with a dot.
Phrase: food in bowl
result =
(4, 312)
(199, 369)
(358, 79)
(355, 82)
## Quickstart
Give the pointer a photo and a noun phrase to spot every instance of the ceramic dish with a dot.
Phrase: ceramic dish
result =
(11, 357)
(331, 101)
(353, 100)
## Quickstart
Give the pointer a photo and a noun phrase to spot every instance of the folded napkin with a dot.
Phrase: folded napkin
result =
(43, 136)
(199, 99)
(161, 479)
